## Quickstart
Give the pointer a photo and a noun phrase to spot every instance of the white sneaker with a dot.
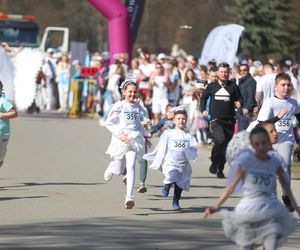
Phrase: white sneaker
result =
(108, 174)
(129, 203)
(102, 122)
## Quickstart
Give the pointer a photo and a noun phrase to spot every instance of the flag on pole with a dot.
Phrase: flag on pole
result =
(221, 44)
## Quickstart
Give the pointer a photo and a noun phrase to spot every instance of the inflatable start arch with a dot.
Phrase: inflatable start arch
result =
(118, 25)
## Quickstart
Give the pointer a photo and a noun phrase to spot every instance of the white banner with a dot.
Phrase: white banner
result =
(221, 44)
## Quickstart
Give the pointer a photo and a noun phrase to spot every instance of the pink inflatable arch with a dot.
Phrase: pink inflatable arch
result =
(118, 26)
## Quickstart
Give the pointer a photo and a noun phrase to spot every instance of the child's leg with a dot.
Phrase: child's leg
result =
(204, 135)
(130, 167)
(118, 166)
(143, 174)
(285, 150)
(143, 167)
(198, 135)
(177, 193)
(166, 189)
(270, 243)
(176, 197)
(143, 170)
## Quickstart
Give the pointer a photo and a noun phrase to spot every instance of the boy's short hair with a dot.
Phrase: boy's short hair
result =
(282, 76)
(181, 112)
(169, 106)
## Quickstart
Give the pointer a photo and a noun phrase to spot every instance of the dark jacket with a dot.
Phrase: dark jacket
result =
(247, 87)
(222, 99)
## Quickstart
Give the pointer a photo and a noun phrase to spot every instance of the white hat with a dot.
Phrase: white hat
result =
(161, 56)
(180, 107)
(50, 50)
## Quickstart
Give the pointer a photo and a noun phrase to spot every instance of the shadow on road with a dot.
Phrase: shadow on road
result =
(18, 198)
(116, 233)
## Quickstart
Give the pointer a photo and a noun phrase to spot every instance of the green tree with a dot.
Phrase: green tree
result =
(269, 28)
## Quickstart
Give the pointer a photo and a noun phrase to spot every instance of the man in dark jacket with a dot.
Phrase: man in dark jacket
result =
(247, 85)
(224, 97)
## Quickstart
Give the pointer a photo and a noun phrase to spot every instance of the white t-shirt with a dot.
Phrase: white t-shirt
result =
(160, 91)
(266, 85)
(284, 126)
(260, 178)
(147, 69)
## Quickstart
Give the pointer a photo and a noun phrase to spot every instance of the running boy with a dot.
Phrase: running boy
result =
(175, 149)
(167, 122)
(284, 126)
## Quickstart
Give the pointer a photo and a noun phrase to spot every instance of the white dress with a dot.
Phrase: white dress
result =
(259, 213)
(172, 154)
(125, 118)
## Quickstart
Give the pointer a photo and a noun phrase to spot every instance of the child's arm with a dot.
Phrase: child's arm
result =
(158, 126)
(226, 193)
(113, 120)
(266, 111)
(12, 113)
(191, 151)
(287, 189)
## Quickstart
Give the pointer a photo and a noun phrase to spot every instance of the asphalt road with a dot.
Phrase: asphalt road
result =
(53, 196)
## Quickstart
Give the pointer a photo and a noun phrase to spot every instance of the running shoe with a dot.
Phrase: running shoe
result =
(175, 205)
(220, 175)
(142, 189)
(108, 174)
(129, 203)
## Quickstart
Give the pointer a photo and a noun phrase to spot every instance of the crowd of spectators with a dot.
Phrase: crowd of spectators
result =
(162, 80)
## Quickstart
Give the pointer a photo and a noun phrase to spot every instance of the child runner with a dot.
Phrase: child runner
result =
(7, 111)
(128, 137)
(165, 123)
(259, 218)
(175, 149)
(197, 122)
(240, 142)
(284, 126)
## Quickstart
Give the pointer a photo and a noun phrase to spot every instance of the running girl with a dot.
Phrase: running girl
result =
(128, 137)
(259, 218)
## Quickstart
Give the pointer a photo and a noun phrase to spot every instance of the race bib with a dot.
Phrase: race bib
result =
(283, 124)
(130, 117)
(261, 182)
(179, 145)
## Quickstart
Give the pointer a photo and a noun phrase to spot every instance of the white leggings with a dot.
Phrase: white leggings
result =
(127, 161)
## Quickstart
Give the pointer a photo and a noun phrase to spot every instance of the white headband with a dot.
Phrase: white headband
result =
(126, 82)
